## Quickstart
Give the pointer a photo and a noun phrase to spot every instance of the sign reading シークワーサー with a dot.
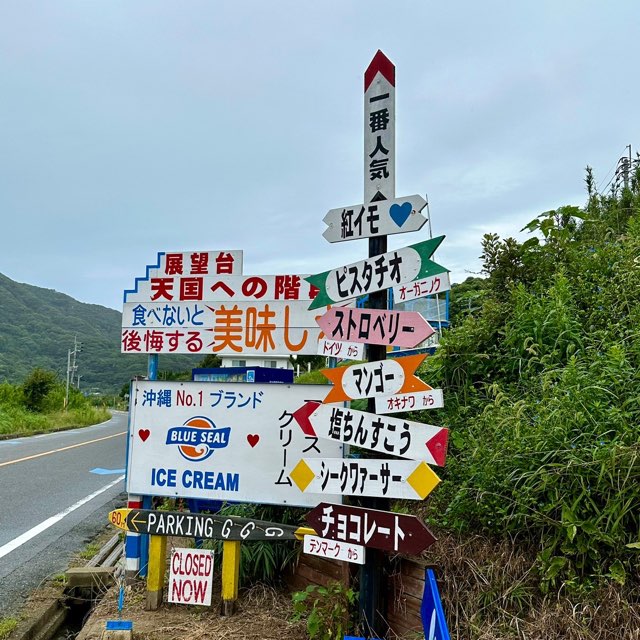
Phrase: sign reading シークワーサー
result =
(220, 441)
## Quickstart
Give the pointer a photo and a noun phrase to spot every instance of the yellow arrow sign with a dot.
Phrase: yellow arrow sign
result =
(118, 518)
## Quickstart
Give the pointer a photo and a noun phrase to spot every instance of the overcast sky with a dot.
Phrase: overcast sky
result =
(131, 127)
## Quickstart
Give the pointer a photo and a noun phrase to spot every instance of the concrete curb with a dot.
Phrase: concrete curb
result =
(45, 618)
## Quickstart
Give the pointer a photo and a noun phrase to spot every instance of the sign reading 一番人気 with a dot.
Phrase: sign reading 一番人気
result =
(220, 441)
(199, 302)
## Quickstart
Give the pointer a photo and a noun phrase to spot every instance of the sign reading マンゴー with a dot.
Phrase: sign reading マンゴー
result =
(221, 441)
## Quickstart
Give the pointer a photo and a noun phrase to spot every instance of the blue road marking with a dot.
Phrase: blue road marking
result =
(106, 472)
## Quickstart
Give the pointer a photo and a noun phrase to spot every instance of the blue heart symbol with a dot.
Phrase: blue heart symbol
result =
(400, 212)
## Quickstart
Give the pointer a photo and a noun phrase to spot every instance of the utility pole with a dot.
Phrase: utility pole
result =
(71, 368)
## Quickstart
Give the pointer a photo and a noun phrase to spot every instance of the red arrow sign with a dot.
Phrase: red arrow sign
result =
(371, 528)
(396, 328)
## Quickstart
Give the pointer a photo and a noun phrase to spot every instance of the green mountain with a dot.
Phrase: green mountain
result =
(37, 329)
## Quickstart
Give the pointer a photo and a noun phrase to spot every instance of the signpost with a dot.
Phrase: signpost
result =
(377, 273)
(380, 218)
(371, 379)
(372, 326)
(202, 525)
(393, 436)
(391, 532)
(372, 478)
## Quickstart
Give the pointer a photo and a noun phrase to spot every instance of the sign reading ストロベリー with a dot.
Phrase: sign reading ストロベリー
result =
(224, 441)
(375, 326)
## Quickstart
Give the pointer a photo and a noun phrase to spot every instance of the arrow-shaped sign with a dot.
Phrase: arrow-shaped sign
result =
(202, 525)
(379, 218)
(371, 379)
(375, 478)
(371, 528)
(373, 326)
(376, 273)
(394, 436)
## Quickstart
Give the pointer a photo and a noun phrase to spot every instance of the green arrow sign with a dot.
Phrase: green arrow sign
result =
(376, 273)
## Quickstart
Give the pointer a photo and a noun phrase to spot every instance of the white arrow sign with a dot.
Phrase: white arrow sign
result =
(380, 218)
(394, 436)
(376, 478)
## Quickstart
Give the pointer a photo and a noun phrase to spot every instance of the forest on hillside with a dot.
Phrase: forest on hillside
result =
(39, 326)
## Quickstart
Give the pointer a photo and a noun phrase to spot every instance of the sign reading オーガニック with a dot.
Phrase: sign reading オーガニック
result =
(199, 302)
(224, 441)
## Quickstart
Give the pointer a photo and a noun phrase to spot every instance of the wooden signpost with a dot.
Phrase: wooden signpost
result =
(380, 214)
(392, 532)
(380, 218)
(375, 326)
(371, 379)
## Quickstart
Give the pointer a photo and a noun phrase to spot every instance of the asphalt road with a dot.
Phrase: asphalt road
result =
(55, 493)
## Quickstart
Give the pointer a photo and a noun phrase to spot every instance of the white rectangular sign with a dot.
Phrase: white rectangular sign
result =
(220, 441)
(220, 288)
(247, 339)
(191, 576)
(341, 350)
(431, 399)
(422, 288)
(334, 549)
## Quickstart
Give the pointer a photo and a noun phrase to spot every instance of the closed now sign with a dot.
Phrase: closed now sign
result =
(191, 576)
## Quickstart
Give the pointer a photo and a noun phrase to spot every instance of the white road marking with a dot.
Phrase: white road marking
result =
(49, 522)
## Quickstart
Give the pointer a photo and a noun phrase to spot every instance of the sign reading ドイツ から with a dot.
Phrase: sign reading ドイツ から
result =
(223, 441)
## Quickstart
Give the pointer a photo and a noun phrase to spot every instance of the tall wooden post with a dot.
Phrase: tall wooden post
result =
(379, 184)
